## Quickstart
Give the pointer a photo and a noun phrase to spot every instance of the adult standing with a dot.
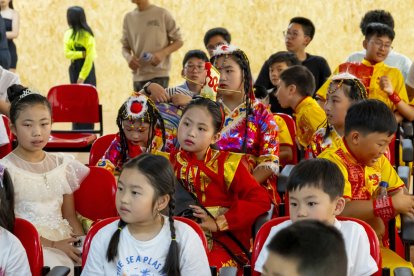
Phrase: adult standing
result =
(149, 36)
(12, 21)
(4, 49)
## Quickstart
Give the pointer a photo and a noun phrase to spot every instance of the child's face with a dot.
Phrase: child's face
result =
(367, 149)
(313, 203)
(135, 197)
(295, 38)
(231, 75)
(215, 41)
(196, 131)
(195, 70)
(136, 132)
(378, 48)
(336, 106)
(32, 127)
(278, 265)
(274, 72)
(283, 94)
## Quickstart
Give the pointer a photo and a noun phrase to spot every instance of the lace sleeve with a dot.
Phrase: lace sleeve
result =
(75, 174)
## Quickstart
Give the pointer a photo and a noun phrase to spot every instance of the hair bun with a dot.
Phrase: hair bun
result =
(15, 91)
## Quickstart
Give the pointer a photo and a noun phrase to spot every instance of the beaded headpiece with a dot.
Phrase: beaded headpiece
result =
(347, 76)
(136, 107)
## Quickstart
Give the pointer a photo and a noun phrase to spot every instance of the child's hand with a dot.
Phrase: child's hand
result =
(386, 85)
(403, 203)
(207, 222)
(134, 63)
(67, 247)
(180, 99)
(157, 93)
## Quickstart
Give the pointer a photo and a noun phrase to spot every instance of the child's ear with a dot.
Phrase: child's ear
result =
(307, 40)
(13, 128)
(365, 44)
(162, 202)
(182, 73)
(292, 89)
(340, 205)
(355, 136)
(215, 138)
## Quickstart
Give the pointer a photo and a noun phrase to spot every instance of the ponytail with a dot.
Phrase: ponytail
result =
(172, 262)
(112, 251)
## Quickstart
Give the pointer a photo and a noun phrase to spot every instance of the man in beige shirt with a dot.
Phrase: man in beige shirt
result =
(149, 36)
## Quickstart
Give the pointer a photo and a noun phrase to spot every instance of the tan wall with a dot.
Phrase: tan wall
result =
(256, 26)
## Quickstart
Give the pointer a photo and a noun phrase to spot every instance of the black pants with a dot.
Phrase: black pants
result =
(163, 81)
(74, 70)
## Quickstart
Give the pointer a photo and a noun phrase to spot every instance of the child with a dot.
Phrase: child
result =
(13, 258)
(144, 241)
(249, 127)
(220, 181)
(306, 247)
(80, 49)
(315, 189)
(216, 37)
(44, 182)
(140, 129)
(344, 90)
(295, 91)
(394, 59)
(381, 81)
(298, 35)
(369, 128)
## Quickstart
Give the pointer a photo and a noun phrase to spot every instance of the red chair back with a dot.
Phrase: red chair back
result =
(7, 148)
(100, 224)
(74, 103)
(292, 131)
(265, 229)
(95, 198)
(99, 148)
(29, 237)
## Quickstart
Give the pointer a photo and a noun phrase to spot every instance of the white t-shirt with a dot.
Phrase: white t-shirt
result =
(410, 78)
(360, 262)
(7, 79)
(13, 258)
(393, 59)
(146, 257)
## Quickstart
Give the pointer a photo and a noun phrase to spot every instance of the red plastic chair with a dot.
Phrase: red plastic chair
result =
(100, 224)
(28, 236)
(292, 131)
(74, 103)
(95, 199)
(99, 148)
(265, 229)
(7, 148)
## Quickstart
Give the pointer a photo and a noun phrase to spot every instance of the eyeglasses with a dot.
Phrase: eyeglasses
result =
(191, 67)
(379, 44)
(288, 34)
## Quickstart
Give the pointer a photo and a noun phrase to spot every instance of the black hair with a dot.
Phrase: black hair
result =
(7, 216)
(318, 248)
(217, 31)
(301, 77)
(379, 30)
(77, 20)
(195, 54)
(152, 116)
(283, 56)
(260, 92)
(353, 89)
(241, 59)
(307, 25)
(369, 116)
(318, 173)
(11, 4)
(214, 108)
(376, 16)
(22, 97)
(158, 170)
